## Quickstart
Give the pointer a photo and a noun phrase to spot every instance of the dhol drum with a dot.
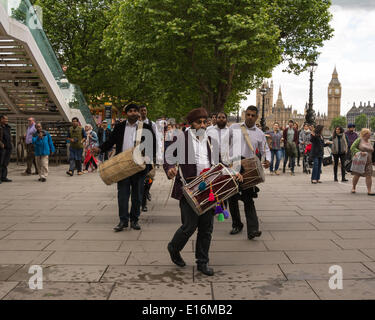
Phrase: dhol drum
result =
(219, 180)
(253, 173)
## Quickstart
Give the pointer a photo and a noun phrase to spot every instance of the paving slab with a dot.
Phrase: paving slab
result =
(84, 245)
(39, 235)
(361, 289)
(148, 274)
(305, 235)
(161, 258)
(321, 256)
(315, 271)
(7, 270)
(264, 290)
(24, 244)
(343, 226)
(88, 258)
(127, 234)
(356, 234)
(3, 234)
(6, 287)
(355, 243)
(151, 246)
(244, 273)
(292, 244)
(41, 226)
(61, 291)
(162, 291)
(246, 258)
(236, 245)
(22, 257)
(63, 273)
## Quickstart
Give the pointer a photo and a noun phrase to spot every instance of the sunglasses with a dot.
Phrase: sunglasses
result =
(201, 122)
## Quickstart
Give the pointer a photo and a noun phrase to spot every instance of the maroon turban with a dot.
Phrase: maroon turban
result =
(196, 114)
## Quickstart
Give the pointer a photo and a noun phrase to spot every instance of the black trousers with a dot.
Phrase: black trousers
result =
(92, 162)
(336, 158)
(4, 162)
(146, 192)
(130, 187)
(190, 222)
(250, 211)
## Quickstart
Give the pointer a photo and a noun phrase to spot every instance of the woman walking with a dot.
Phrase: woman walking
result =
(363, 145)
(275, 147)
(91, 141)
(339, 151)
(317, 152)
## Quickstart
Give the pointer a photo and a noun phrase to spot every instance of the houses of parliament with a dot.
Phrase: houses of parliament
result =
(278, 112)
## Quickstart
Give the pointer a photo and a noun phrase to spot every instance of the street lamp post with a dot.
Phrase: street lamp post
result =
(263, 92)
(310, 114)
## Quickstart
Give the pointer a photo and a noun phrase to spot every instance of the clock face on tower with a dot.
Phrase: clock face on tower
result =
(337, 91)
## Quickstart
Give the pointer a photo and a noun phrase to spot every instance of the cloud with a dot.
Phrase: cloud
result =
(351, 50)
(354, 3)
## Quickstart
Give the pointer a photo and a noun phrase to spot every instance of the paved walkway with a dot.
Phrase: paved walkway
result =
(65, 225)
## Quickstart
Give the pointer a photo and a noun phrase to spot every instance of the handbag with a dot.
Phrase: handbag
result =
(348, 166)
(359, 163)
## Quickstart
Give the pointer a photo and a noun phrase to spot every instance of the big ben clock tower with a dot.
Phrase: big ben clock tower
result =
(334, 97)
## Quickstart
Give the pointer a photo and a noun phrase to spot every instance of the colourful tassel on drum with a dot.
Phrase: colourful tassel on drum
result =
(202, 186)
(218, 209)
(226, 214)
(211, 196)
(220, 217)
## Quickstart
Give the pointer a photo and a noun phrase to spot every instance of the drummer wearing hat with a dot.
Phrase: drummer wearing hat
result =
(124, 137)
(197, 157)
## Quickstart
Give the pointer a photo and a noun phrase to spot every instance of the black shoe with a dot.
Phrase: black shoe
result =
(121, 226)
(40, 179)
(344, 180)
(134, 225)
(283, 170)
(175, 256)
(236, 230)
(205, 269)
(69, 173)
(6, 180)
(253, 234)
(336, 180)
(144, 209)
(43, 179)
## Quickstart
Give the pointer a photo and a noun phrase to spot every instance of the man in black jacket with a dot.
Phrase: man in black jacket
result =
(5, 148)
(124, 137)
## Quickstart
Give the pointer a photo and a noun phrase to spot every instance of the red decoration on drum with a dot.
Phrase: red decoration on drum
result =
(211, 196)
(204, 170)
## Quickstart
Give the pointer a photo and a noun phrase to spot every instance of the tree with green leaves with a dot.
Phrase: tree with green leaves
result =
(372, 123)
(338, 122)
(360, 122)
(183, 53)
(75, 29)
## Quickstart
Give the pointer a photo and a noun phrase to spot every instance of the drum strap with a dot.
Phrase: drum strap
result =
(247, 138)
(139, 134)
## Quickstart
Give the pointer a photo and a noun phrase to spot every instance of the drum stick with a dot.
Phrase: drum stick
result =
(171, 188)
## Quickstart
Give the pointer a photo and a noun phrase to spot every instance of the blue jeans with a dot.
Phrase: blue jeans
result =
(316, 169)
(134, 186)
(278, 154)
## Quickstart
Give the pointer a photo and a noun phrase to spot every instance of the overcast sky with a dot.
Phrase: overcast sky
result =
(352, 50)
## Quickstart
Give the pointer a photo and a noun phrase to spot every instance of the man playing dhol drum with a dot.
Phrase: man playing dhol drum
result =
(124, 137)
(241, 150)
(197, 157)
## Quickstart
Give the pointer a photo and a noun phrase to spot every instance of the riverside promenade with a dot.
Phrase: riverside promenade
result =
(66, 226)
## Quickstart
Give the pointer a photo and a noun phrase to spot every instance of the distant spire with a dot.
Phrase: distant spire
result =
(280, 94)
(335, 71)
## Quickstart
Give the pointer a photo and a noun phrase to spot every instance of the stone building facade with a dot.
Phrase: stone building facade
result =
(355, 111)
(279, 112)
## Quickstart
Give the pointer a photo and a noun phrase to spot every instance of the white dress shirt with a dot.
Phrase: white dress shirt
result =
(200, 152)
(129, 136)
(222, 136)
(240, 146)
